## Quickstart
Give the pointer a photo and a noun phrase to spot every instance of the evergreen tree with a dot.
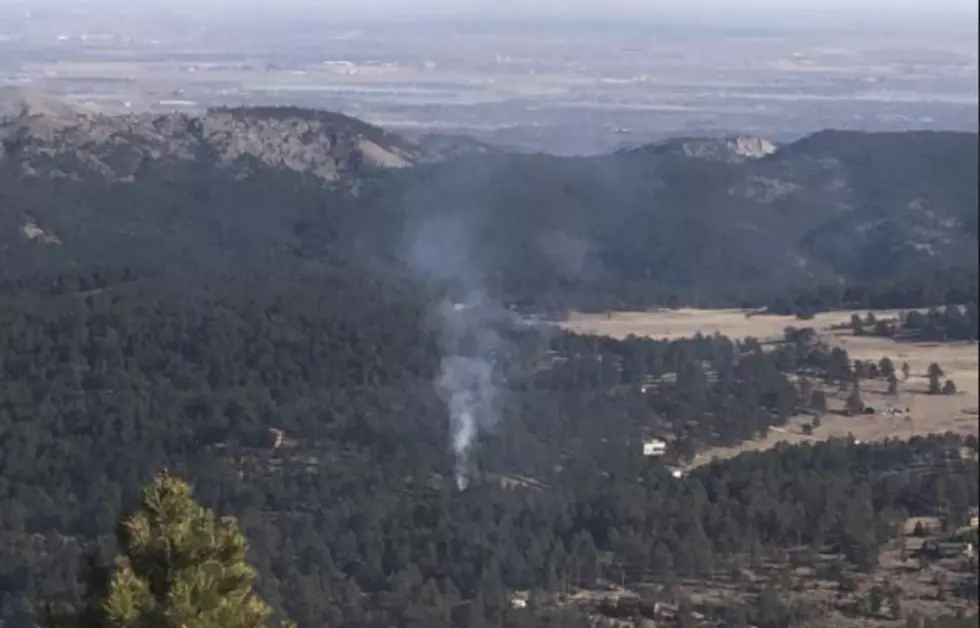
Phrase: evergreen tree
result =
(179, 566)
(854, 403)
(886, 367)
(857, 325)
(818, 401)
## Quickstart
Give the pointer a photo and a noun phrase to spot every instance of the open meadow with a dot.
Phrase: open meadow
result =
(927, 413)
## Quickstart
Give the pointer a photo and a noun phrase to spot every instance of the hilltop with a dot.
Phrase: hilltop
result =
(49, 137)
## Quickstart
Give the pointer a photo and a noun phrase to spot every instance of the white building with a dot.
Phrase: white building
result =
(654, 447)
(520, 599)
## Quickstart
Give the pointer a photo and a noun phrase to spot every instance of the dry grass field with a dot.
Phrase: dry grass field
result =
(928, 413)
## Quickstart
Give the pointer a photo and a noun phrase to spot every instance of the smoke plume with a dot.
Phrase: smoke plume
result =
(467, 377)
(468, 380)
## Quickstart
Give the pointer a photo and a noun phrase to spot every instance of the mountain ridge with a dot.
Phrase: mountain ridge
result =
(246, 188)
(58, 140)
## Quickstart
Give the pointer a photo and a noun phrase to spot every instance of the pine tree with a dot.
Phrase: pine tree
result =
(854, 403)
(179, 566)
(886, 367)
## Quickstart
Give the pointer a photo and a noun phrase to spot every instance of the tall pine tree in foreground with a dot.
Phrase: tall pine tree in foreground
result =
(179, 567)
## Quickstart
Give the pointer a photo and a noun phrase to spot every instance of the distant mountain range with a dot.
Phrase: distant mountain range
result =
(271, 190)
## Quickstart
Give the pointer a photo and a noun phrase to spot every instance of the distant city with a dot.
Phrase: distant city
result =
(562, 90)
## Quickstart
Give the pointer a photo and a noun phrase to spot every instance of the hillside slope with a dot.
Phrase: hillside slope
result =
(245, 188)
(54, 139)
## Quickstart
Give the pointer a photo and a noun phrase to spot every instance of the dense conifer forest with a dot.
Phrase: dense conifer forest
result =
(280, 344)
(354, 519)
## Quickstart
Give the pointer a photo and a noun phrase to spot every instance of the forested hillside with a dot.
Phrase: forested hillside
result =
(330, 358)
(632, 229)
(352, 515)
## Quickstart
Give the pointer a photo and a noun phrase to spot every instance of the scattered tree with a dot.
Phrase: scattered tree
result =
(886, 367)
(818, 401)
(906, 370)
(876, 598)
(857, 325)
(860, 369)
(855, 405)
(806, 391)
(949, 388)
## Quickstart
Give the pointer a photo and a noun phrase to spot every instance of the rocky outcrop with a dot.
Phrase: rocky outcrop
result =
(727, 149)
(57, 140)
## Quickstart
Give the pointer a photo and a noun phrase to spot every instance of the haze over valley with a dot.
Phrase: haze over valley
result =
(552, 85)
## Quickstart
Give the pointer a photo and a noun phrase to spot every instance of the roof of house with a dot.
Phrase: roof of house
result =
(878, 406)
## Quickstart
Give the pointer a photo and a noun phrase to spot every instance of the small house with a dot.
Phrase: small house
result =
(520, 599)
(881, 408)
(654, 447)
(275, 438)
(945, 549)
(924, 526)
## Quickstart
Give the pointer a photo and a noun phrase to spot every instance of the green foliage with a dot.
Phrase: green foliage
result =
(352, 524)
(616, 231)
(178, 565)
(205, 309)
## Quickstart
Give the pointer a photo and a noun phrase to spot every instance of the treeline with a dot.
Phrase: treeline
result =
(923, 290)
(949, 323)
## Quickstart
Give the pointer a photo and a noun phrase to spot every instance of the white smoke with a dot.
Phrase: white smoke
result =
(440, 251)
(467, 381)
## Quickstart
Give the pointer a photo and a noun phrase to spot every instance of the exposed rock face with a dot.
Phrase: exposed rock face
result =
(61, 141)
(727, 149)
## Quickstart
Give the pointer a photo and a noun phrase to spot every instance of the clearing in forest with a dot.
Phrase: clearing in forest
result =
(928, 414)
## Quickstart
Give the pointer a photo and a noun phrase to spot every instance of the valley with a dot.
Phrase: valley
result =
(563, 87)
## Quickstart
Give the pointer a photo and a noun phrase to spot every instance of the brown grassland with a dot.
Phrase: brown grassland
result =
(928, 414)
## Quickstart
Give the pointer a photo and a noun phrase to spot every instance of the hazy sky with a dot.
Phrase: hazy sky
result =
(885, 9)
(921, 7)
(862, 13)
